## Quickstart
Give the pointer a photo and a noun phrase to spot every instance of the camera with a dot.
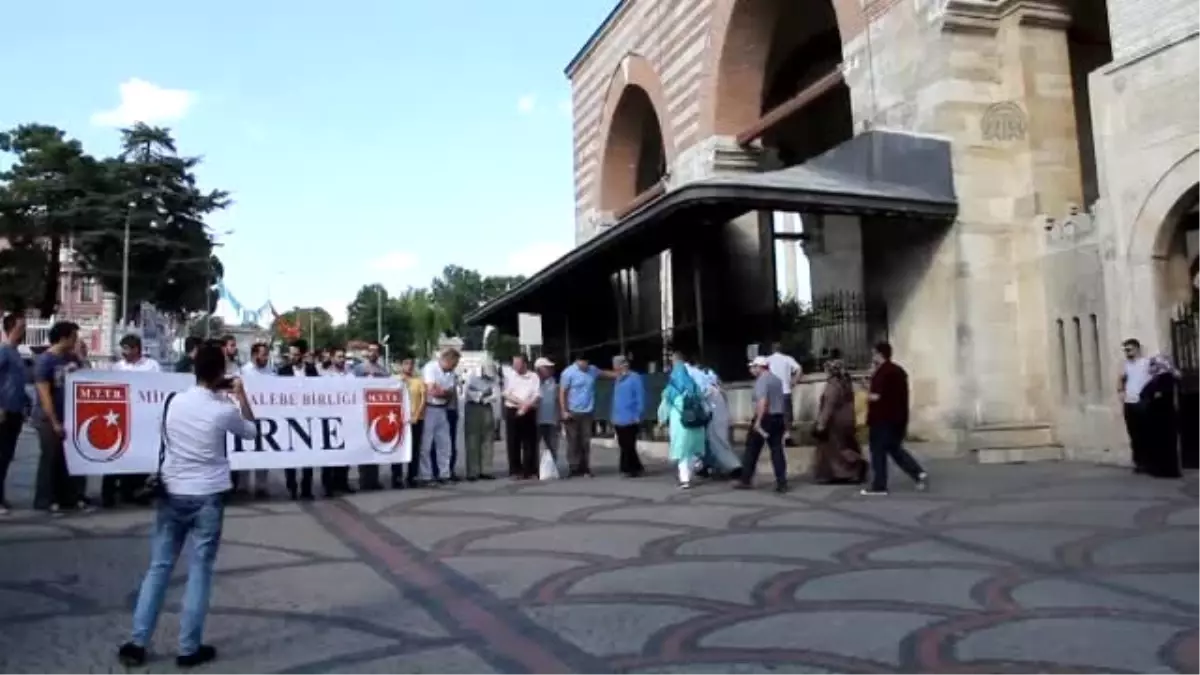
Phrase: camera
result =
(225, 384)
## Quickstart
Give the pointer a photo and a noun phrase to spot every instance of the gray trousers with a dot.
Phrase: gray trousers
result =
(579, 442)
(549, 433)
(436, 434)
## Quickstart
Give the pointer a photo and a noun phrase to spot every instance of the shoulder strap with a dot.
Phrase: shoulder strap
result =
(162, 437)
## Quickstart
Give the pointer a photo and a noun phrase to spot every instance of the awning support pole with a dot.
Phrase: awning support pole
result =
(696, 286)
(566, 339)
(619, 289)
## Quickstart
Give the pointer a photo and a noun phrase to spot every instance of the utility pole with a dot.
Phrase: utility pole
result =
(125, 265)
(379, 313)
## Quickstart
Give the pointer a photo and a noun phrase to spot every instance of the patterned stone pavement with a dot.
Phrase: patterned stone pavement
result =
(1035, 568)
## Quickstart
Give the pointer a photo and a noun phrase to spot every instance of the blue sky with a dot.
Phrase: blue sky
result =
(363, 141)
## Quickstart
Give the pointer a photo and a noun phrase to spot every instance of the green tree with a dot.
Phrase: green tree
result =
(374, 314)
(315, 326)
(460, 291)
(51, 192)
(429, 320)
(153, 191)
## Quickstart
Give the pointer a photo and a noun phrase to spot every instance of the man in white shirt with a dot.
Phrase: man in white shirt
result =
(259, 365)
(126, 485)
(522, 392)
(788, 371)
(1135, 375)
(195, 475)
(132, 358)
(440, 384)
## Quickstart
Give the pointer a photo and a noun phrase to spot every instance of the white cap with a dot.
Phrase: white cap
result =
(760, 362)
(543, 362)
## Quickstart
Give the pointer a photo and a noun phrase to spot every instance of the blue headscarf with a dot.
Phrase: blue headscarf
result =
(680, 383)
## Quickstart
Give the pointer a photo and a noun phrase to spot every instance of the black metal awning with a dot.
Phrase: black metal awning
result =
(877, 173)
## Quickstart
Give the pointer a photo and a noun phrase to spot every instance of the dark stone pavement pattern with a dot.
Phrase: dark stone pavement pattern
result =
(1009, 569)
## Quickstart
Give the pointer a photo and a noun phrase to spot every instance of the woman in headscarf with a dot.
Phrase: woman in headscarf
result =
(1157, 400)
(686, 443)
(719, 454)
(838, 456)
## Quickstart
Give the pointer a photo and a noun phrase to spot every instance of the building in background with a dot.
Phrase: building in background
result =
(1014, 181)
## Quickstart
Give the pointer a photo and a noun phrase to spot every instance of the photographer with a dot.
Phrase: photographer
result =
(195, 478)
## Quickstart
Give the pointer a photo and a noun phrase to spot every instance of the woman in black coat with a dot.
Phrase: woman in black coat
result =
(1160, 420)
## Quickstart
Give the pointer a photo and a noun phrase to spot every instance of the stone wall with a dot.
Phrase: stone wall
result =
(1141, 26)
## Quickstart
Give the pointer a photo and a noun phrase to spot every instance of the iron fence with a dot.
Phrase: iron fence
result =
(848, 322)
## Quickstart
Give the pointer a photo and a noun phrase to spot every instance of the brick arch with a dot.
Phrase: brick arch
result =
(634, 90)
(739, 45)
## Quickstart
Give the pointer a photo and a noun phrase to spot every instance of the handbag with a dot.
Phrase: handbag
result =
(154, 488)
(547, 467)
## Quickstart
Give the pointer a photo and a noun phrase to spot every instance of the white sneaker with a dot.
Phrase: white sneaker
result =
(923, 481)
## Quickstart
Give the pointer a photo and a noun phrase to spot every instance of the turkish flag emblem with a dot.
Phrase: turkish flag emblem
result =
(101, 431)
(386, 425)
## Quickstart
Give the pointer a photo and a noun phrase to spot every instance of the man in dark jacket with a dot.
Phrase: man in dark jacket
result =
(299, 366)
(887, 422)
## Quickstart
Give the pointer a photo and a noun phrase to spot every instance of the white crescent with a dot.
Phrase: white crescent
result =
(90, 452)
(377, 443)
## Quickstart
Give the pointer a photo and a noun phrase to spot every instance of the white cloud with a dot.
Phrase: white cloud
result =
(526, 104)
(532, 258)
(394, 261)
(142, 101)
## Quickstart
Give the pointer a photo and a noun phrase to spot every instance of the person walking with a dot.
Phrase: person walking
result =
(838, 458)
(480, 393)
(1160, 453)
(1135, 375)
(522, 391)
(766, 428)
(719, 456)
(887, 422)
(628, 407)
(14, 400)
(786, 368)
(194, 473)
(686, 443)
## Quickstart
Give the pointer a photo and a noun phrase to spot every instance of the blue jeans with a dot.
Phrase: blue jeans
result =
(177, 517)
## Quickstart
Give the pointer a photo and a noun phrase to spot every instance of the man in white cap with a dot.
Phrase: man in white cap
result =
(767, 427)
(547, 415)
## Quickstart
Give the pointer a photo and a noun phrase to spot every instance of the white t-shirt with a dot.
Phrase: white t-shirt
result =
(142, 365)
(250, 369)
(433, 374)
(1137, 376)
(525, 387)
(197, 423)
(785, 368)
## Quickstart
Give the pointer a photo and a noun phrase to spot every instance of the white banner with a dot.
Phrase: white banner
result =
(113, 420)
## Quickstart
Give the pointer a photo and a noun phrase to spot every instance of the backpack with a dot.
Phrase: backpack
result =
(693, 412)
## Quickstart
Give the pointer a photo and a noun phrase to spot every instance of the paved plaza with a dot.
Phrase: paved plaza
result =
(1031, 568)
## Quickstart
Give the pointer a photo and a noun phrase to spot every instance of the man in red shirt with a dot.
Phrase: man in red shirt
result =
(887, 422)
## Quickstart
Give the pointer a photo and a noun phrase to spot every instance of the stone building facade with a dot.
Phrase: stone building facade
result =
(1052, 107)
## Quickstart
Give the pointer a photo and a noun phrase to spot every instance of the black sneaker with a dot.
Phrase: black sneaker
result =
(781, 488)
(202, 655)
(131, 655)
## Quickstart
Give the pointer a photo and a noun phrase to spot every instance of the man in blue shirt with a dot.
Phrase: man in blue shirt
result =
(55, 491)
(13, 399)
(628, 406)
(577, 405)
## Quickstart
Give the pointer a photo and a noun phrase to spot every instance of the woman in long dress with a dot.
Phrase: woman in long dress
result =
(1159, 417)
(838, 457)
(720, 455)
(686, 443)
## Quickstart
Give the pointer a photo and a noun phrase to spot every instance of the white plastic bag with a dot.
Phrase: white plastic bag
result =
(547, 467)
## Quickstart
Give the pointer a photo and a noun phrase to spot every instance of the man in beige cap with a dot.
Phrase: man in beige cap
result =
(547, 415)
(767, 427)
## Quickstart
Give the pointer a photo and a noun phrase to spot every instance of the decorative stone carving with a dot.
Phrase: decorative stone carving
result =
(1076, 228)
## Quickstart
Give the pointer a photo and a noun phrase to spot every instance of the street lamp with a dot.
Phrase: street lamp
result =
(387, 352)
(379, 313)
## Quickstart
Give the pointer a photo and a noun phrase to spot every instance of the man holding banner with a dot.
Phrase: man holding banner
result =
(299, 366)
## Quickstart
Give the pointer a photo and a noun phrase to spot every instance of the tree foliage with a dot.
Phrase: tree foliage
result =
(56, 197)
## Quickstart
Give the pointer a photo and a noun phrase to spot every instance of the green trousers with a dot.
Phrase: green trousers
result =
(479, 437)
